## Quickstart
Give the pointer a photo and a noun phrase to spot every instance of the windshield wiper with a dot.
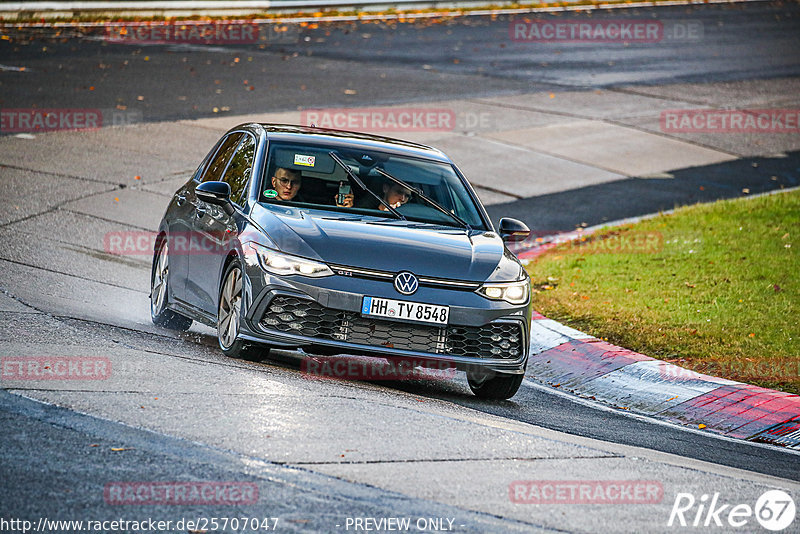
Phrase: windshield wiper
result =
(425, 197)
(354, 178)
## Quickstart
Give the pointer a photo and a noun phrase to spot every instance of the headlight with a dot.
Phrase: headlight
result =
(282, 264)
(511, 292)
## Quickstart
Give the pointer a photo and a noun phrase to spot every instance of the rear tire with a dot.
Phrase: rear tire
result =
(159, 293)
(491, 385)
(229, 317)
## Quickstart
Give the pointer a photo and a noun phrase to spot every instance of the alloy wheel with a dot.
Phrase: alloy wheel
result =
(230, 304)
(158, 295)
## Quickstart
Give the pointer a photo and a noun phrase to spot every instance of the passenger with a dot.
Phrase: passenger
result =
(287, 183)
(395, 195)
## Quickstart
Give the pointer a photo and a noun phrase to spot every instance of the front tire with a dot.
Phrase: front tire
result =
(491, 385)
(159, 293)
(229, 317)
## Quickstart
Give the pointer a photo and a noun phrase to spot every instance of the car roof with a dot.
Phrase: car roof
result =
(345, 139)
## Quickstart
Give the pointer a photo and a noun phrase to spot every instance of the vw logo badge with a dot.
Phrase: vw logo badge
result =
(406, 283)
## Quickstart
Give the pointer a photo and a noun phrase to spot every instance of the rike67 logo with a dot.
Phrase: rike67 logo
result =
(774, 510)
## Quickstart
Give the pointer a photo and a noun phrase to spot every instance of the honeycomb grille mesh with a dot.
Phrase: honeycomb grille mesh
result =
(307, 318)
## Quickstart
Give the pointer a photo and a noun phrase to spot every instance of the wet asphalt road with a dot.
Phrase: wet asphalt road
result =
(345, 65)
(340, 64)
(57, 462)
(360, 64)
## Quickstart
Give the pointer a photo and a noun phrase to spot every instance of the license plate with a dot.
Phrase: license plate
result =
(408, 311)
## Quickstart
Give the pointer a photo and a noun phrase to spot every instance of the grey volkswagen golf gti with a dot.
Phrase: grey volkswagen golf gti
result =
(343, 243)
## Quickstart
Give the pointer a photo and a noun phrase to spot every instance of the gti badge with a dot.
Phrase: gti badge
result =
(406, 283)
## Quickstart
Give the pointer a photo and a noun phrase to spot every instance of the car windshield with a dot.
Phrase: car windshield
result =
(368, 182)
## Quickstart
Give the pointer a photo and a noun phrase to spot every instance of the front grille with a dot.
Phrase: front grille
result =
(495, 340)
(425, 281)
(303, 317)
(308, 318)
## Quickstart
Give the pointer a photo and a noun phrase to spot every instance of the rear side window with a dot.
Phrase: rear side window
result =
(220, 161)
(239, 169)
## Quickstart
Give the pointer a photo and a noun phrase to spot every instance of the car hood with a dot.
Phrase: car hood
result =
(388, 244)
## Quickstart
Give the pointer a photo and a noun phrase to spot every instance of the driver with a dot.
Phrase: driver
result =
(287, 183)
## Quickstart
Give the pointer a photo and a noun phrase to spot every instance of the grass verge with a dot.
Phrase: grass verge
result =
(711, 287)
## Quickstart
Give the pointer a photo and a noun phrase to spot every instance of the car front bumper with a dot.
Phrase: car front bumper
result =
(324, 314)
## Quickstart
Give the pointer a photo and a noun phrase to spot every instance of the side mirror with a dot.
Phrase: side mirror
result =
(217, 193)
(513, 231)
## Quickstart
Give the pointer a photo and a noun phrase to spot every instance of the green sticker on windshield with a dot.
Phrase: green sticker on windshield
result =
(270, 193)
